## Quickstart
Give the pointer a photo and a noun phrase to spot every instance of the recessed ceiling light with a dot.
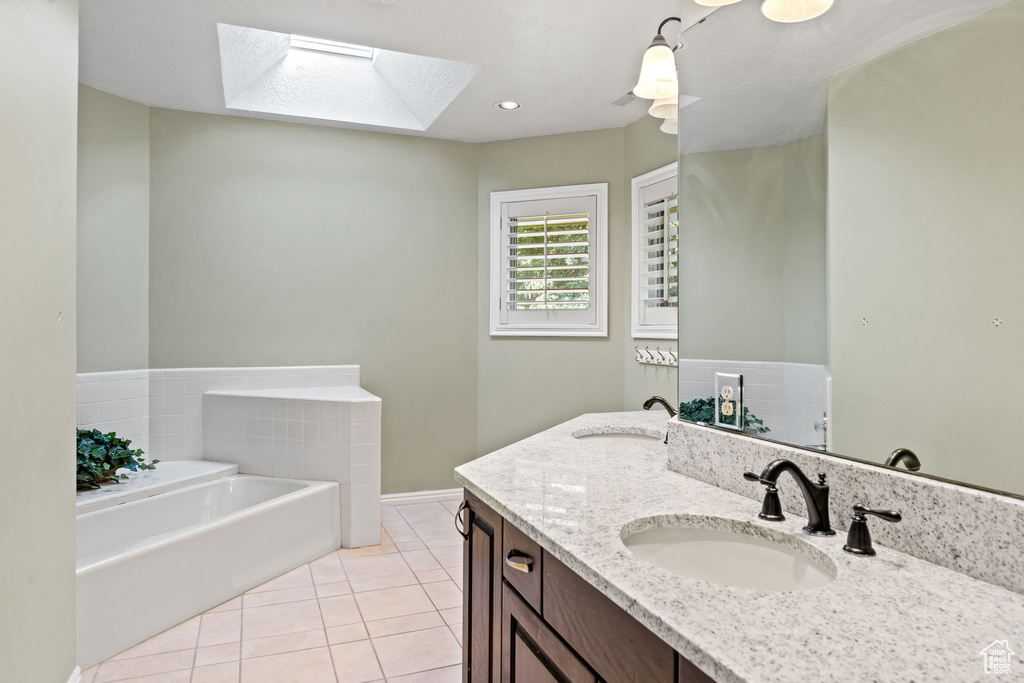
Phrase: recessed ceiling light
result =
(508, 105)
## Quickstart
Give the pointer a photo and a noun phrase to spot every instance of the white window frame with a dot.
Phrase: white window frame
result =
(547, 324)
(648, 330)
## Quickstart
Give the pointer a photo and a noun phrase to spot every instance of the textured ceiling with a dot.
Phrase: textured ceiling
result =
(763, 83)
(565, 60)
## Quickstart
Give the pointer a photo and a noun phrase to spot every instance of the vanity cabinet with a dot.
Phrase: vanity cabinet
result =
(530, 619)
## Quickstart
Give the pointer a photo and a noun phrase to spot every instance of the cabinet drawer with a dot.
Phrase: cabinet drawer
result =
(613, 643)
(522, 564)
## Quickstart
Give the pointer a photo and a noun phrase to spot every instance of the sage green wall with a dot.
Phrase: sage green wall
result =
(259, 229)
(529, 384)
(752, 253)
(926, 162)
(113, 232)
(647, 148)
(278, 243)
(39, 82)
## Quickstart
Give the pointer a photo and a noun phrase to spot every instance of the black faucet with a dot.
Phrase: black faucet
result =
(815, 495)
(649, 403)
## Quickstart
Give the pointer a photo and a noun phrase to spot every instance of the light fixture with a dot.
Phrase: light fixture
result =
(794, 11)
(667, 108)
(782, 11)
(508, 105)
(658, 78)
(670, 126)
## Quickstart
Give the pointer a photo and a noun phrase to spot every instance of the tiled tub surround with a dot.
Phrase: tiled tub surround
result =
(391, 611)
(320, 434)
(892, 617)
(116, 402)
(789, 397)
(168, 476)
(191, 549)
(160, 410)
(977, 533)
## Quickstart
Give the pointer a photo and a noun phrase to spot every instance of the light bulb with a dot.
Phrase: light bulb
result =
(667, 108)
(658, 78)
(793, 11)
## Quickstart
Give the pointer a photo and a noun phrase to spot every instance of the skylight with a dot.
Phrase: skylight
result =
(312, 78)
(331, 47)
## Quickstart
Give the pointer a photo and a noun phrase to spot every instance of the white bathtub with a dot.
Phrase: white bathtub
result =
(148, 565)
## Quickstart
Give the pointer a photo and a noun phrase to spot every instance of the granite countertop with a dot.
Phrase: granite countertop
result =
(891, 617)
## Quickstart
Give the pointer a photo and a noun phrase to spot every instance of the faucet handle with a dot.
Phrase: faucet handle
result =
(858, 539)
(771, 507)
(887, 515)
(821, 478)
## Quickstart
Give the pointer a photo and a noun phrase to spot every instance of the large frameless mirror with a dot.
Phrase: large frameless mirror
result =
(851, 232)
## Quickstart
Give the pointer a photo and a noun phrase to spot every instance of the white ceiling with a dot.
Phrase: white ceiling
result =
(760, 83)
(763, 83)
(565, 60)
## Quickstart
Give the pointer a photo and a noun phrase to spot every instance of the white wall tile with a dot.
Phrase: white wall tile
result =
(789, 397)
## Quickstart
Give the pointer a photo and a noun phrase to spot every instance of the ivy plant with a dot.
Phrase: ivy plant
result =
(100, 456)
(703, 410)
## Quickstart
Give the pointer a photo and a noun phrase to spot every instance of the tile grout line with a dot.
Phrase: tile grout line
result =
(362, 621)
(323, 624)
(195, 651)
(241, 632)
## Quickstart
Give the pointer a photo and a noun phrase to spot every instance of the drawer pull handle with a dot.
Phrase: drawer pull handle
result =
(458, 518)
(519, 561)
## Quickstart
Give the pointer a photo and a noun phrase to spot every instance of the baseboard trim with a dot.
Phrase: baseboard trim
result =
(76, 675)
(414, 497)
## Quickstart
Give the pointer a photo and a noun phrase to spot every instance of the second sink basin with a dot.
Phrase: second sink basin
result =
(619, 437)
(731, 553)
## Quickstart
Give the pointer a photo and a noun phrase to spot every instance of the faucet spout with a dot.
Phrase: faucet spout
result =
(815, 494)
(653, 400)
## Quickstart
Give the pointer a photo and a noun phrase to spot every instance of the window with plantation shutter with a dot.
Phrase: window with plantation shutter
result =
(656, 254)
(549, 261)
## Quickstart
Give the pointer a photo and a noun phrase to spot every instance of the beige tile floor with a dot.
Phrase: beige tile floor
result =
(388, 612)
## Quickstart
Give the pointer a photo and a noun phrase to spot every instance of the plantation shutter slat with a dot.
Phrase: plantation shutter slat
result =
(549, 261)
(659, 239)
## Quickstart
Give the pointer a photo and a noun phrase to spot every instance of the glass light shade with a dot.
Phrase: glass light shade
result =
(670, 126)
(658, 78)
(793, 11)
(667, 108)
(715, 3)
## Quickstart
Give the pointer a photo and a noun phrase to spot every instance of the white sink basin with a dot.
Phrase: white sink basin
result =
(732, 556)
(620, 437)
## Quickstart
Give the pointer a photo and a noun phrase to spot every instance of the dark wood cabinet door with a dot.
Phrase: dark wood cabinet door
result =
(613, 643)
(481, 577)
(531, 652)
